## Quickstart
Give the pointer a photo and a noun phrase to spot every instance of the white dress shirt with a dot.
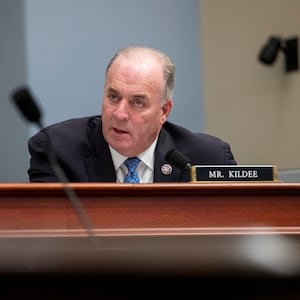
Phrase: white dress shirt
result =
(145, 168)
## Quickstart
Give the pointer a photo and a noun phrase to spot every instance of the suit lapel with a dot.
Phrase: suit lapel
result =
(163, 171)
(99, 165)
(99, 169)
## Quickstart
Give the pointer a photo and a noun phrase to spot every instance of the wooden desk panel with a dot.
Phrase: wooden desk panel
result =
(151, 209)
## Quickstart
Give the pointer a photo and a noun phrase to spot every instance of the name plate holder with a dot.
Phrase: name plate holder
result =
(200, 173)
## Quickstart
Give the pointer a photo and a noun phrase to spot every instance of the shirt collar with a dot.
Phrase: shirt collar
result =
(147, 157)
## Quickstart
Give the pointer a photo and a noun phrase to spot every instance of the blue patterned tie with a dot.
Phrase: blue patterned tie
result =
(131, 164)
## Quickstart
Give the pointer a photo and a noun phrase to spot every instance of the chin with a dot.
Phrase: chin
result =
(127, 153)
(124, 150)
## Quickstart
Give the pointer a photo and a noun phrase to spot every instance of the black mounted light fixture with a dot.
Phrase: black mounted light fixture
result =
(269, 52)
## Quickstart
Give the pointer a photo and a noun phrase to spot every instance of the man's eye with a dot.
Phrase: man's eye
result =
(113, 97)
(138, 103)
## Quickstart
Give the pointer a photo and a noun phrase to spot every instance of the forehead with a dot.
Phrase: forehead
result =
(136, 71)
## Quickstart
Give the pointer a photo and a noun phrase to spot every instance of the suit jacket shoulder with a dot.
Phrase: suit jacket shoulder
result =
(80, 148)
(201, 148)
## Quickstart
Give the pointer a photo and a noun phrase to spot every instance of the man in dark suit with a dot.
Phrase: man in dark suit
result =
(133, 126)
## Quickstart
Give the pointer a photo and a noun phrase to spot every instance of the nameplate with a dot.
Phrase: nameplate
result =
(234, 173)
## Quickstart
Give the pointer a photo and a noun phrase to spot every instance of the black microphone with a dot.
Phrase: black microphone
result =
(178, 159)
(24, 100)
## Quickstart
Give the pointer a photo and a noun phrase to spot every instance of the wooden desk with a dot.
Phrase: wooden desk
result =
(214, 231)
(43, 209)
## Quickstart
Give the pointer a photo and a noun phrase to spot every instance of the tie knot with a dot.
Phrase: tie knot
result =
(131, 164)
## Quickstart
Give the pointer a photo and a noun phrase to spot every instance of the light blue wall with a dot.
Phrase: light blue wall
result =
(13, 130)
(66, 46)
(69, 43)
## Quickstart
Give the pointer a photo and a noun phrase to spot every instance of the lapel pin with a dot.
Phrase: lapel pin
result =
(166, 169)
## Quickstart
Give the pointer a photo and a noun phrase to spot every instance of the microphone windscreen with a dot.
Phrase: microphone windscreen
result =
(26, 104)
(177, 159)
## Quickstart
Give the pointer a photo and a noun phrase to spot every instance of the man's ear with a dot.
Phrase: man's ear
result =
(166, 108)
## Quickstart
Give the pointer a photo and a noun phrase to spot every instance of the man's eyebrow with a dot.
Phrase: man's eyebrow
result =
(135, 96)
(110, 89)
(142, 96)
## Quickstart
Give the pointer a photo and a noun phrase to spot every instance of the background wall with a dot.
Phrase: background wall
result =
(66, 46)
(69, 43)
(253, 106)
(61, 48)
(13, 131)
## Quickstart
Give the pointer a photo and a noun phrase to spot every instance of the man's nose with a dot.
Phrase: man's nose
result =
(122, 110)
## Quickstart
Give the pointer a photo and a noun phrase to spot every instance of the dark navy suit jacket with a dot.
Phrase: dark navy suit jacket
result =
(85, 156)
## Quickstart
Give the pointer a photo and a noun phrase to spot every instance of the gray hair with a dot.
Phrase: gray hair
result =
(168, 66)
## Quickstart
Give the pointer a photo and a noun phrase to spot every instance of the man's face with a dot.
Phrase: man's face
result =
(132, 110)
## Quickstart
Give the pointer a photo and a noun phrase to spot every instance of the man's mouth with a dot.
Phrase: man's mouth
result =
(119, 131)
